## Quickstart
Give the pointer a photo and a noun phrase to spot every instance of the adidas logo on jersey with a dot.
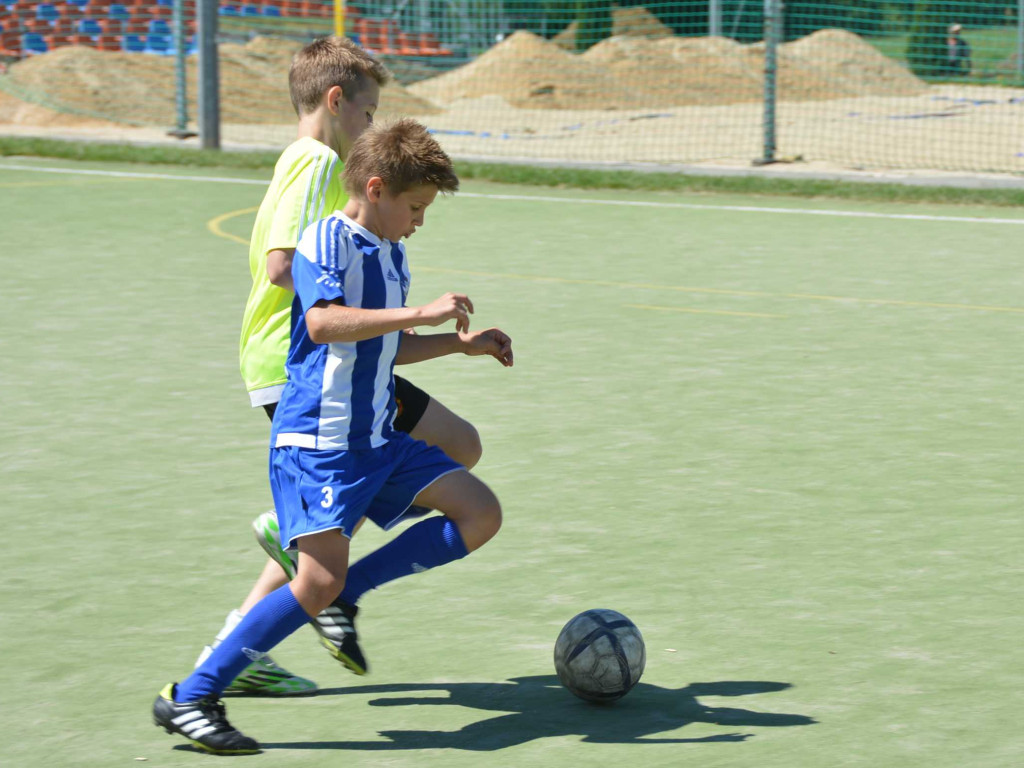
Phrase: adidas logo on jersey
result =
(392, 277)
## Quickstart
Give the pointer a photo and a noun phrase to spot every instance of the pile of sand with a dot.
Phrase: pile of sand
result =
(626, 72)
(140, 89)
(631, 22)
(531, 72)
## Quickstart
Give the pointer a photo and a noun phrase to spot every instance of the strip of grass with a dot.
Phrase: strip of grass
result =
(576, 178)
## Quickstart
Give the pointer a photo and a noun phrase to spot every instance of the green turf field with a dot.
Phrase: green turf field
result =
(788, 446)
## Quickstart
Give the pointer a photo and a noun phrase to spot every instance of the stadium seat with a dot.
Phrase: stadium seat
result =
(39, 26)
(47, 12)
(160, 44)
(33, 44)
(80, 3)
(271, 11)
(69, 10)
(54, 42)
(89, 27)
(227, 10)
(118, 11)
(111, 27)
(85, 40)
(250, 10)
(159, 27)
(10, 43)
(134, 43)
(169, 3)
(404, 42)
(109, 43)
(65, 26)
(317, 9)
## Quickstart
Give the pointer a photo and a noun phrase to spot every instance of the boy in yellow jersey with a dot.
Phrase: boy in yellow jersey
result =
(334, 87)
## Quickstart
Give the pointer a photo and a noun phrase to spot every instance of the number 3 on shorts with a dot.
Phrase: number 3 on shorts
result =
(328, 496)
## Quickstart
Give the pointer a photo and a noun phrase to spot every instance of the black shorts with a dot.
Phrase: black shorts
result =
(411, 400)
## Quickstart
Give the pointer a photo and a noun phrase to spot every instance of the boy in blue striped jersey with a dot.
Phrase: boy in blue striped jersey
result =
(335, 456)
(335, 88)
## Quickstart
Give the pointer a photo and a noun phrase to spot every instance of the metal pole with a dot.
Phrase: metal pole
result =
(715, 18)
(770, 72)
(209, 80)
(1020, 41)
(180, 93)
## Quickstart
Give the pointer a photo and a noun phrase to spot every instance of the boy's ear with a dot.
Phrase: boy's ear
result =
(374, 189)
(333, 99)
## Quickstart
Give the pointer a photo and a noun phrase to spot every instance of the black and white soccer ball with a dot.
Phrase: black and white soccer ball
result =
(600, 655)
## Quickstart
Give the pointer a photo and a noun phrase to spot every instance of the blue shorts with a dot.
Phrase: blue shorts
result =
(318, 491)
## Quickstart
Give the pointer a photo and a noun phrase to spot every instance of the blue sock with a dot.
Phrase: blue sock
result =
(428, 544)
(270, 621)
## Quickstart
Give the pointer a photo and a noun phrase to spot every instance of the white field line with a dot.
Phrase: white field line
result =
(569, 200)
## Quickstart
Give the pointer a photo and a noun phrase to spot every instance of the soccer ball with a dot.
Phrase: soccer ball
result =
(600, 655)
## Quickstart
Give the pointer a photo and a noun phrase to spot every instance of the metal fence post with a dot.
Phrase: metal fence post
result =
(180, 129)
(715, 18)
(771, 34)
(209, 80)
(1020, 41)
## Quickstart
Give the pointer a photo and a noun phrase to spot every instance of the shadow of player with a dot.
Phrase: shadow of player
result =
(538, 707)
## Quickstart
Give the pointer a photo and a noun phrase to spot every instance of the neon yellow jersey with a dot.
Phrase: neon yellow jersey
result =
(307, 186)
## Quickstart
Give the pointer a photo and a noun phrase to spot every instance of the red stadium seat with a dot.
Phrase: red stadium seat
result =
(10, 43)
(110, 43)
(57, 41)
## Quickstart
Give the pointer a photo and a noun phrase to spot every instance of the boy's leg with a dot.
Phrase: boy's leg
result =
(192, 708)
(450, 432)
(472, 516)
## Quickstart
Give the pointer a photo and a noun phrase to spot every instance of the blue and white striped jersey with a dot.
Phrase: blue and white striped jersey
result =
(341, 396)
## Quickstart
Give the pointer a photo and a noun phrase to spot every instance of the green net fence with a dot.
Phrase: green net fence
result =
(908, 84)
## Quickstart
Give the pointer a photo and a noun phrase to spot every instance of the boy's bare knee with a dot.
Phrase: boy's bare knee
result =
(316, 594)
(468, 446)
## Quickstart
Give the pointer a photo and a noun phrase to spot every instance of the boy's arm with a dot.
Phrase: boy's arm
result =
(328, 322)
(279, 268)
(494, 342)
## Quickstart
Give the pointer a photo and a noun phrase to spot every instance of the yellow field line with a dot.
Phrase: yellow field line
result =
(719, 291)
(977, 307)
(701, 311)
(214, 225)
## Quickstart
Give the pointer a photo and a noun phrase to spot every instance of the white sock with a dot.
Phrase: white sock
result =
(229, 624)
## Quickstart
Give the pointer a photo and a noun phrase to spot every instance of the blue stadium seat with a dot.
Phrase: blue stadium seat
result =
(79, 3)
(134, 44)
(227, 10)
(47, 12)
(271, 10)
(32, 43)
(161, 44)
(118, 11)
(250, 10)
(89, 27)
(168, 3)
(159, 27)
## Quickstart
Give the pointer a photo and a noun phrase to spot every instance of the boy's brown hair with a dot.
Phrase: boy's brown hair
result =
(403, 154)
(327, 62)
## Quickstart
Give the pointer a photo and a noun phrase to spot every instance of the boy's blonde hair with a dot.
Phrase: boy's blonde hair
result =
(327, 62)
(403, 154)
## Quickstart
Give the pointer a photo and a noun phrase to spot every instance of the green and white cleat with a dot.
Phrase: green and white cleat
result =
(268, 535)
(263, 677)
(266, 678)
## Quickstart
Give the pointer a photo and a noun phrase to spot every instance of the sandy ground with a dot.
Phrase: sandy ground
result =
(952, 129)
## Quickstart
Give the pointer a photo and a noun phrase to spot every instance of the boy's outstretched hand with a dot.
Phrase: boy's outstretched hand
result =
(455, 306)
(493, 342)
